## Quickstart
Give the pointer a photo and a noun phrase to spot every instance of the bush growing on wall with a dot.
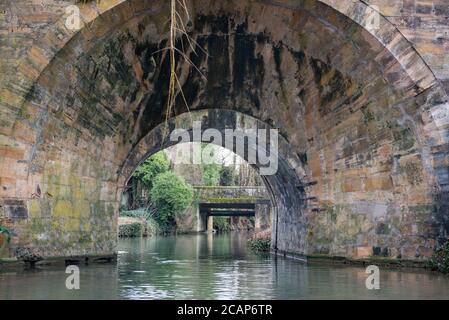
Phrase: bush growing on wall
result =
(227, 176)
(6, 232)
(440, 259)
(210, 171)
(171, 195)
(5, 239)
(211, 174)
(130, 230)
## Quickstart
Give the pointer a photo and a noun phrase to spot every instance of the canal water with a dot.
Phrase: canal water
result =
(214, 267)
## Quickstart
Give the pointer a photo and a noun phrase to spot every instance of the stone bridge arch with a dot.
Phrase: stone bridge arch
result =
(113, 13)
(286, 187)
(359, 107)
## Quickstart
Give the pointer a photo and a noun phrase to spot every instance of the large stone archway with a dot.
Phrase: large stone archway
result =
(285, 184)
(360, 109)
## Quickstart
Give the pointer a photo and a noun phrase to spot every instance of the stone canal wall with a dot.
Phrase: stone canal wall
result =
(363, 114)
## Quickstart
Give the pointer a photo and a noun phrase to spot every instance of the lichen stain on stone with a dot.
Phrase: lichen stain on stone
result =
(108, 98)
(249, 70)
(336, 89)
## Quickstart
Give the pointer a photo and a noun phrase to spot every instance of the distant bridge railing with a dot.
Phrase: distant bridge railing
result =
(234, 194)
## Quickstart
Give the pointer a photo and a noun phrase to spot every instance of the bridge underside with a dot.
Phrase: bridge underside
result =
(228, 209)
(364, 152)
(207, 211)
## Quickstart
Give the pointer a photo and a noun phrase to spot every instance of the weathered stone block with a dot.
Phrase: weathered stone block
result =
(363, 252)
(75, 104)
(378, 183)
(15, 210)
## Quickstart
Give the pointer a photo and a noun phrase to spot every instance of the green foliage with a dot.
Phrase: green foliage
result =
(210, 171)
(4, 230)
(440, 259)
(152, 167)
(130, 230)
(227, 176)
(171, 195)
(260, 245)
(211, 174)
(152, 225)
(222, 223)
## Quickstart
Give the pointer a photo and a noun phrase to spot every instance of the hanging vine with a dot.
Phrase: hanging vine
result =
(179, 13)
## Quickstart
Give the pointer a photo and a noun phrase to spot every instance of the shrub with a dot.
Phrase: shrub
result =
(260, 245)
(211, 174)
(152, 226)
(440, 259)
(222, 223)
(171, 195)
(153, 166)
(227, 176)
(130, 230)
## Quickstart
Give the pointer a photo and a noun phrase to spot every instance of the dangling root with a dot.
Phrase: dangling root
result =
(177, 28)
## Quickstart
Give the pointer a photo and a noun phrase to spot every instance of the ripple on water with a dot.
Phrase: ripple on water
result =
(193, 267)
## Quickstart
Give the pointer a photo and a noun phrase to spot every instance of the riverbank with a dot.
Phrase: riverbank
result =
(385, 263)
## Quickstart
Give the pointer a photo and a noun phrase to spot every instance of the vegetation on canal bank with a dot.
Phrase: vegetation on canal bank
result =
(151, 168)
(149, 226)
(222, 224)
(171, 195)
(440, 259)
(260, 245)
(260, 242)
(141, 182)
(160, 194)
(132, 230)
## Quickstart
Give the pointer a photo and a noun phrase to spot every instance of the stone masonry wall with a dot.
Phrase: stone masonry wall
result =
(364, 112)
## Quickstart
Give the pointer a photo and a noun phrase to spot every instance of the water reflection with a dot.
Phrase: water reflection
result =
(214, 267)
(96, 282)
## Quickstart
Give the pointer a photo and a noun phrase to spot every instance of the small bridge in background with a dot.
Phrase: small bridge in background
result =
(232, 202)
(228, 209)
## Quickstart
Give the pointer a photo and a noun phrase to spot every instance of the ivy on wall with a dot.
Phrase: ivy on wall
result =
(4, 230)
